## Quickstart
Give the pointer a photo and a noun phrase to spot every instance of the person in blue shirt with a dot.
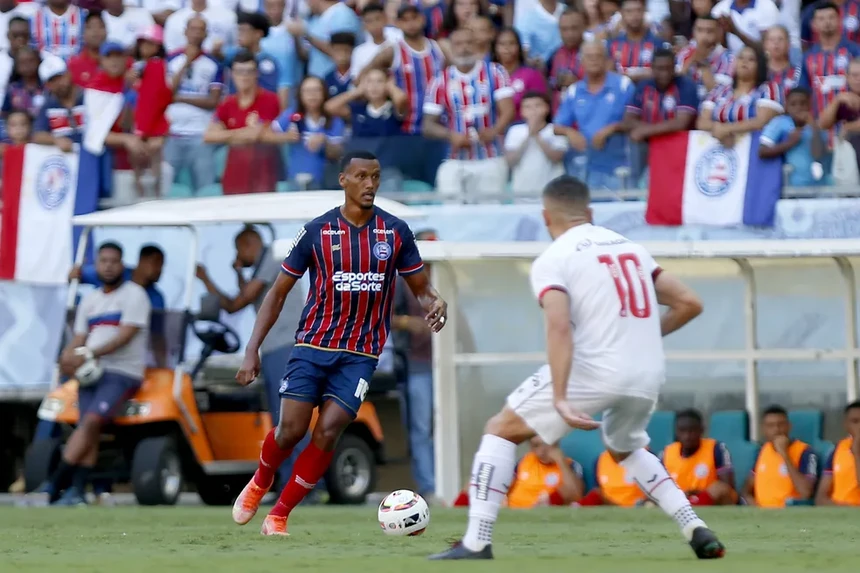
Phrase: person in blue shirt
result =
(591, 115)
(796, 138)
(540, 33)
(281, 44)
(253, 27)
(314, 137)
(328, 17)
(339, 79)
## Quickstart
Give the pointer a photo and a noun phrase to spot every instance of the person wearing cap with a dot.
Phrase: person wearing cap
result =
(58, 28)
(85, 65)
(221, 23)
(125, 23)
(253, 27)
(328, 17)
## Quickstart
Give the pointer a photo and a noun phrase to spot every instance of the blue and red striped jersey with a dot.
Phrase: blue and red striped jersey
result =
(787, 77)
(634, 55)
(720, 61)
(849, 13)
(653, 106)
(413, 71)
(352, 276)
(564, 60)
(824, 72)
(60, 35)
(724, 106)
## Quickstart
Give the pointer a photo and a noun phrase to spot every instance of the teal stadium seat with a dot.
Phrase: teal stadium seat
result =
(220, 161)
(729, 426)
(662, 430)
(585, 448)
(806, 425)
(180, 191)
(823, 448)
(214, 190)
(416, 186)
(744, 455)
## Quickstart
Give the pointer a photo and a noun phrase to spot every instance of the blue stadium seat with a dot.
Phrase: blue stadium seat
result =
(416, 186)
(806, 425)
(823, 448)
(180, 191)
(214, 190)
(662, 430)
(220, 161)
(283, 187)
(729, 426)
(585, 448)
(184, 177)
(744, 455)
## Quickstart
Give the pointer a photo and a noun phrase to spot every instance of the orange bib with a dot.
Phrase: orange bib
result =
(771, 481)
(845, 487)
(613, 483)
(533, 479)
(694, 473)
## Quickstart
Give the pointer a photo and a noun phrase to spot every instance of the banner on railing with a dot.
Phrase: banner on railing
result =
(697, 181)
(39, 187)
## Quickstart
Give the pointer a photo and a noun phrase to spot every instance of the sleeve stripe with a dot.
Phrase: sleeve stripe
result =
(546, 289)
(412, 269)
(290, 271)
(656, 273)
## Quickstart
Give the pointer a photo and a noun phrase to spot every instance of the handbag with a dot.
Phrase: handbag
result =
(845, 170)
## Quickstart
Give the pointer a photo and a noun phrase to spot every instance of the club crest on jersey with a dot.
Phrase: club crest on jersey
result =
(382, 251)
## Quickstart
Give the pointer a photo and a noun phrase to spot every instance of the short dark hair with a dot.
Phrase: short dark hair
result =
(824, 6)
(799, 90)
(147, 251)
(243, 57)
(707, 18)
(566, 189)
(852, 406)
(373, 7)
(569, 11)
(623, 2)
(690, 414)
(357, 154)
(20, 111)
(774, 410)
(94, 15)
(256, 20)
(342, 39)
(536, 94)
(760, 68)
(111, 245)
(663, 53)
(248, 230)
(18, 20)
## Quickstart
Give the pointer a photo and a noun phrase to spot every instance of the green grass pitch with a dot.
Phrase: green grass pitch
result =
(327, 539)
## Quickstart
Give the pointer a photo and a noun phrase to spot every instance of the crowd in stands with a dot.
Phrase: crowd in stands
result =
(458, 95)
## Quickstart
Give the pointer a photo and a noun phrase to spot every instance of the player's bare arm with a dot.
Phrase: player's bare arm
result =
(559, 349)
(684, 305)
(433, 304)
(248, 292)
(268, 314)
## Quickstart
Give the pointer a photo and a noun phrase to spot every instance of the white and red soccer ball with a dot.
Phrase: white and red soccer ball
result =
(403, 512)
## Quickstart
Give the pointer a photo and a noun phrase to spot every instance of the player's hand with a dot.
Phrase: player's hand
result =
(437, 315)
(296, 28)
(316, 142)
(599, 139)
(574, 418)
(460, 141)
(65, 144)
(75, 273)
(780, 444)
(487, 135)
(576, 139)
(850, 99)
(201, 273)
(250, 369)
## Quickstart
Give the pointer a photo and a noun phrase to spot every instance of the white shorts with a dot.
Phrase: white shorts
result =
(625, 418)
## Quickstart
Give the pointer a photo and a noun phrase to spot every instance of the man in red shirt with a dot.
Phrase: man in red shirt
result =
(84, 66)
(239, 121)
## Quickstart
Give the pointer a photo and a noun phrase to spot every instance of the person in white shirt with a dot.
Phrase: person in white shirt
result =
(533, 152)
(611, 362)
(10, 9)
(745, 21)
(377, 35)
(221, 24)
(124, 24)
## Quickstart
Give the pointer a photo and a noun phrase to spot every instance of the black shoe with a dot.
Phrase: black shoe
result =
(706, 545)
(459, 551)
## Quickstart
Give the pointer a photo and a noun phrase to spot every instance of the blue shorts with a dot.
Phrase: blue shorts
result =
(106, 397)
(315, 376)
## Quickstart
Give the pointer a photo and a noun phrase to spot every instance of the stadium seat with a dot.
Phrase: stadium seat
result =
(729, 426)
(823, 448)
(180, 191)
(585, 448)
(416, 186)
(214, 190)
(184, 177)
(662, 430)
(283, 187)
(806, 425)
(220, 161)
(744, 455)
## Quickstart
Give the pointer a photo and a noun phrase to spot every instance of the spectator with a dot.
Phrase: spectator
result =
(565, 66)
(746, 105)
(785, 469)
(414, 61)
(484, 31)
(160, 10)
(613, 486)
(149, 47)
(744, 21)
(797, 138)
(609, 14)
(849, 14)
(702, 467)
(704, 60)
(534, 153)
(539, 30)
(509, 53)
(19, 128)
(329, 17)
(632, 49)
(124, 23)
(840, 482)
(780, 68)
(25, 91)
(58, 28)
(85, 64)
(825, 64)
(18, 37)
(196, 80)
(239, 122)
(591, 117)
(220, 22)
(282, 46)
(477, 99)
(374, 109)
(253, 27)
(841, 115)
(434, 14)
(339, 80)
(313, 135)
(12, 9)
(374, 21)
(458, 14)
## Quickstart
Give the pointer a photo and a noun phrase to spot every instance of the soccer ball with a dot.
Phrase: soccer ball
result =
(403, 512)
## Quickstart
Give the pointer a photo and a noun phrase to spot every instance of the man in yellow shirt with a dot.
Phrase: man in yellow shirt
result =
(840, 483)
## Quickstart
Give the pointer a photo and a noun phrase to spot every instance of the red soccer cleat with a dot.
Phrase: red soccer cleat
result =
(274, 525)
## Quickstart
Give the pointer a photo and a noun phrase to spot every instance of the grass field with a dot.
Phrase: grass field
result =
(203, 539)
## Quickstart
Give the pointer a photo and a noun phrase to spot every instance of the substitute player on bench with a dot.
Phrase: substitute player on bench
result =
(354, 253)
(611, 362)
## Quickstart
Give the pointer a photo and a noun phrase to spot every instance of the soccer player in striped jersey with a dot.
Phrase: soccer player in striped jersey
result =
(353, 253)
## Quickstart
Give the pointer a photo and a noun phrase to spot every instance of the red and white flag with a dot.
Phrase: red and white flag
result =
(39, 185)
(103, 103)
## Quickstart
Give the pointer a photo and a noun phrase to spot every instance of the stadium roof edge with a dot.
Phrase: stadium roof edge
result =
(296, 207)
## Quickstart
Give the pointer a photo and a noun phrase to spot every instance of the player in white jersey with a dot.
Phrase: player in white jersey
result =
(600, 294)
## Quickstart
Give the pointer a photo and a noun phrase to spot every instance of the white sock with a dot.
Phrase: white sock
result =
(654, 481)
(492, 472)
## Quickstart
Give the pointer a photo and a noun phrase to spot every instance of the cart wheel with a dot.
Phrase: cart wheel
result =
(156, 472)
(352, 473)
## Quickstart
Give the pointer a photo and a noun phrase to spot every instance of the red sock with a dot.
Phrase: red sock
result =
(271, 458)
(592, 498)
(701, 498)
(462, 499)
(555, 498)
(310, 467)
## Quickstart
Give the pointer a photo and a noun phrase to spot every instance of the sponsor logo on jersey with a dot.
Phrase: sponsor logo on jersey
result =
(358, 282)
(330, 232)
(384, 231)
